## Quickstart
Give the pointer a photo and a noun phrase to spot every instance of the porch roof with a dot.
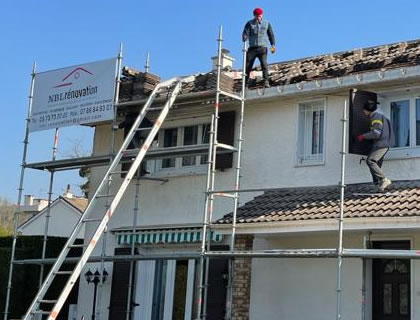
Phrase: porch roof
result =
(318, 203)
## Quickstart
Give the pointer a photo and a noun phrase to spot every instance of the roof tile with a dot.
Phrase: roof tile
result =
(311, 203)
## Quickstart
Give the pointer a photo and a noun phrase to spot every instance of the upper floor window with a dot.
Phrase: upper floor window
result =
(400, 122)
(404, 114)
(311, 132)
(184, 136)
(193, 134)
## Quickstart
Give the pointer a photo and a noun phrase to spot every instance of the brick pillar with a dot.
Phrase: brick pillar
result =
(242, 268)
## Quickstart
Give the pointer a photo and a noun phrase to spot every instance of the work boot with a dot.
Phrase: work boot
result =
(266, 84)
(385, 183)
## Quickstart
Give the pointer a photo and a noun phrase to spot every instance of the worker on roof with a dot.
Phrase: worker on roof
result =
(380, 133)
(255, 32)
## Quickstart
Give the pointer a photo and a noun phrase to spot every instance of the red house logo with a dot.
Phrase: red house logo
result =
(72, 76)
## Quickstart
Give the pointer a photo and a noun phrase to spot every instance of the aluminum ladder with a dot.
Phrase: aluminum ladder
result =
(101, 192)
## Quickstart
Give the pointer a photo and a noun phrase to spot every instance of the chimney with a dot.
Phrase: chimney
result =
(68, 193)
(226, 61)
(29, 200)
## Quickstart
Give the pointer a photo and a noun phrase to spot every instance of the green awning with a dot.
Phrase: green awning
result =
(165, 236)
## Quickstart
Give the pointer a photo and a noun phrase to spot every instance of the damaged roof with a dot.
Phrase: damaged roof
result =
(316, 203)
(136, 85)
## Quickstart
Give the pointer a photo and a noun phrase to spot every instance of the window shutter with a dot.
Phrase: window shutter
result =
(119, 289)
(226, 135)
(359, 122)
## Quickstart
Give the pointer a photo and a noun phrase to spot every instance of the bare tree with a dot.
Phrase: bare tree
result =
(7, 210)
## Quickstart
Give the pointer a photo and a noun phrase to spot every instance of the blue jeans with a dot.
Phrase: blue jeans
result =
(254, 53)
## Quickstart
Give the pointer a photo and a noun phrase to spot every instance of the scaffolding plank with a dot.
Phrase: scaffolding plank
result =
(104, 160)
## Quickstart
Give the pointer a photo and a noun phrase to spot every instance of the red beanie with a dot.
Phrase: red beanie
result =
(258, 11)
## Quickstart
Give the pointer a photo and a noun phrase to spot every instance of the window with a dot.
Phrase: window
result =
(311, 131)
(170, 138)
(400, 120)
(417, 122)
(404, 114)
(184, 136)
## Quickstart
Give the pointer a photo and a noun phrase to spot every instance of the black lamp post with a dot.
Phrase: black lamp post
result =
(95, 278)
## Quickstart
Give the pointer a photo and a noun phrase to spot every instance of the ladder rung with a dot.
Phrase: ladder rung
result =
(77, 245)
(40, 312)
(226, 195)
(47, 301)
(225, 146)
(117, 172)
(63, 272)
(92, 220)
(105, 195)
(230, 95)
(144, 129)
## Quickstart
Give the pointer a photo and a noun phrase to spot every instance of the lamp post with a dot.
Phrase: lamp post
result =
(95, 278)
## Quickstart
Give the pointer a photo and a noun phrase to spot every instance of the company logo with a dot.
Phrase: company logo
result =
(75, 74)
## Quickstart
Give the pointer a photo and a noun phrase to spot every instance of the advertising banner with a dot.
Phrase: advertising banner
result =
(81, 94)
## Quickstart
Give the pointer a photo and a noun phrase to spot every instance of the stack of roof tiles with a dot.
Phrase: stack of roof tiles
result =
(208, 82)
(136, 85)
(314, 203)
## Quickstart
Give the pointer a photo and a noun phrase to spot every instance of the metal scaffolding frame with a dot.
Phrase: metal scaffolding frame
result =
(210, 187)
(205, 253)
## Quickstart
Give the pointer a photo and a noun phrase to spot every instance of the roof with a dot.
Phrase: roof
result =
(316, 203)
(79, 203)
(136, 85)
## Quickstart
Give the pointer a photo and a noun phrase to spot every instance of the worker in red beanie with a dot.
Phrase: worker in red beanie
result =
(255, 32)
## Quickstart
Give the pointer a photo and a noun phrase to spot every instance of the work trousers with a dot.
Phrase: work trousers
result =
(251, 55)
(374, 161)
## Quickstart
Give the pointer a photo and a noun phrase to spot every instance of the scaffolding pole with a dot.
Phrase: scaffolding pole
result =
(133, 248)
(236, 187)
(214, 143)
(48, 213)
(110, 177)
(341, 217)
(135, 214)
(209, 203)
(20, 191)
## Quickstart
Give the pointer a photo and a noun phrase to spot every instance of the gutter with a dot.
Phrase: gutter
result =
(346, 82)
(322, 225)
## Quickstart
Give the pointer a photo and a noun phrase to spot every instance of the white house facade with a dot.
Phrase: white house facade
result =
(292, 142)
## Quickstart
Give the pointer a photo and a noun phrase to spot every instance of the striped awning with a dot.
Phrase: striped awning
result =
(165, 236)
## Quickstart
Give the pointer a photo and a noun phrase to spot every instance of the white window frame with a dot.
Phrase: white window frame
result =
(310, 162)
(412, 151)
(144, 289)
(155, 166)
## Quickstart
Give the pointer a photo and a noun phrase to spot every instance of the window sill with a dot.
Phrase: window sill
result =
(310, 164)
(403, 153)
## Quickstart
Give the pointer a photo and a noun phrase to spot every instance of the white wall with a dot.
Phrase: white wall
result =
(303, 288)
(62, 220)
(269, 160)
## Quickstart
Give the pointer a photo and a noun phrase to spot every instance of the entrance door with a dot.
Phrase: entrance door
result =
(391, 284)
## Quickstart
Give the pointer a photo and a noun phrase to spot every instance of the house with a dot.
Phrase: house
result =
(31, 206)
(292, 143)
(64, 213)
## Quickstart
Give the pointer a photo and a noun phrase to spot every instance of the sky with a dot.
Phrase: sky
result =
(180, 37)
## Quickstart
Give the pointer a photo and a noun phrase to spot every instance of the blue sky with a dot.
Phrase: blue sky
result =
(180, 36)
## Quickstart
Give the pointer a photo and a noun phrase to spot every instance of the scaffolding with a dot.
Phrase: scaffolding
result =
(211, 149)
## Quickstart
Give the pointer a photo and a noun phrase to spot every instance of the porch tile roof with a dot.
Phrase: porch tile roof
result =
(315, 203)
